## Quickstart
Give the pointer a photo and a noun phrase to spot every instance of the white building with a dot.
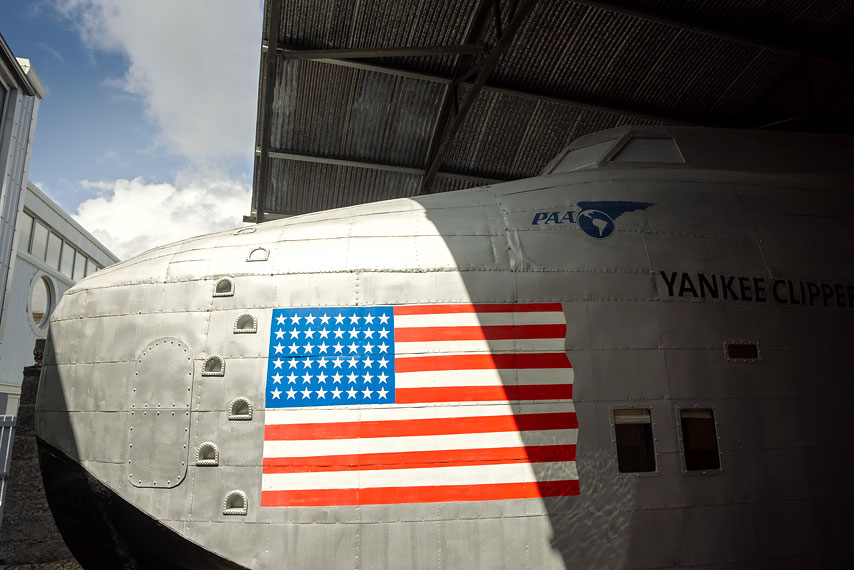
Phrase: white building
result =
(43, 251)
(52, 252)
(20, 92)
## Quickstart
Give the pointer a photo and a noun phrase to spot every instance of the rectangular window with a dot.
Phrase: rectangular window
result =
(91, 267)
(742, 351)
(79, 267)
(25, 227)
(40, 234)
(54, 247)
(635, 446)
(700, 439)
(66, 266)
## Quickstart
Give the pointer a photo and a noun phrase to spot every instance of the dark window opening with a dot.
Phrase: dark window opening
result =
(742, 351)
(635, 446)
(700, 440)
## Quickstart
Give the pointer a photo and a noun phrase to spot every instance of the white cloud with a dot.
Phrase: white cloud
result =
(194, 66)
(130, 216)
(193, 63)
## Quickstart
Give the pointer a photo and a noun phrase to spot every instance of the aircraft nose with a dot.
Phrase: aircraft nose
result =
(104, 531)
(83, 510)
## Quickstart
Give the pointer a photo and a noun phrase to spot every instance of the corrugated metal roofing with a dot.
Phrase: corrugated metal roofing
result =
(343, 132)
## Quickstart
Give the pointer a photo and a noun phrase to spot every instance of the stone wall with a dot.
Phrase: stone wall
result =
(29, 538)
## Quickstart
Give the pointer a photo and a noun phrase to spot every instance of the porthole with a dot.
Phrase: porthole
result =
(224, 288)
(207, 455)
(235, 503)
(245, 324)
(41, 301)
(240, 409)
(214, 366)
(258, 254)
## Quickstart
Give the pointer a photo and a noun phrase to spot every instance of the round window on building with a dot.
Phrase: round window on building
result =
(41, 301)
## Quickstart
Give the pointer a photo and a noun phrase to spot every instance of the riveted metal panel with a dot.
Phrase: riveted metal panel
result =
(160, 395)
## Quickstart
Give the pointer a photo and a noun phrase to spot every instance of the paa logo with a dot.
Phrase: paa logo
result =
(596, 219)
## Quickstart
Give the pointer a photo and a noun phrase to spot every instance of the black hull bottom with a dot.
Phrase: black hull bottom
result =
(103, 530)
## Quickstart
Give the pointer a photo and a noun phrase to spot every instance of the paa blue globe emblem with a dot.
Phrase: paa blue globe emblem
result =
(596, 224)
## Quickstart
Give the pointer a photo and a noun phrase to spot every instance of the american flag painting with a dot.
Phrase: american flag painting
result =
(418, 404)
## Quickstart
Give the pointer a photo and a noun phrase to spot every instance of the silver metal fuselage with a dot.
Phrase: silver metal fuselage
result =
(637, 336)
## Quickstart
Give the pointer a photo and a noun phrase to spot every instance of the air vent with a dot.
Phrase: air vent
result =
(224, 288)
(235, 503)
(214, 366)
(240, 409)
(245, 324)
(258, 254)
(207, 455)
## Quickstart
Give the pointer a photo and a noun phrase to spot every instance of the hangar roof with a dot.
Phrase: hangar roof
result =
(377, 99)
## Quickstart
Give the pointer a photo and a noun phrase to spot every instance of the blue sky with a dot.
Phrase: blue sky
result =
(149, 112)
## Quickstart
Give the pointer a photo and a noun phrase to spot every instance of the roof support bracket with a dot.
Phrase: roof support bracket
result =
(267, 113)
(487, 65)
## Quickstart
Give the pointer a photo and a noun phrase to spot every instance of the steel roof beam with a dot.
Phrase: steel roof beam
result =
(708, 31)
(520, 93)
(488, 64)
(411, 51)
(418, 171)
(474, 29)
(270, 80)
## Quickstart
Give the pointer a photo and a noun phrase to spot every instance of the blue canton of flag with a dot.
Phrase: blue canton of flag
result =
(331, 356)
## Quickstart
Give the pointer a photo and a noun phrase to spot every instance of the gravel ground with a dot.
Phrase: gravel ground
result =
(61, 565)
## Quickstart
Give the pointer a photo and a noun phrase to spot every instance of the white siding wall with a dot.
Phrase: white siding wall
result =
(20, 336)
(15, 139)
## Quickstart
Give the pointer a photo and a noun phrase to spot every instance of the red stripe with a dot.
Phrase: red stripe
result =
(419, 459)
(428, 426)
(481, 362)
(395, 495)
(484, 393)
(492, 332)
(477, 308)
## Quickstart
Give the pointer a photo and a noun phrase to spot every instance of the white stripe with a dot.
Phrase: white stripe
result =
(399, 412)
(495, 346)
(433, 476)
(490, 440)
(443, 378)
(480, 319)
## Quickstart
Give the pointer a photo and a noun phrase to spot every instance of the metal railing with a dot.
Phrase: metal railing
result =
(7, 436)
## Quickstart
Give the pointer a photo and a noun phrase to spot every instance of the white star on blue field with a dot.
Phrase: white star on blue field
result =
(331, 356)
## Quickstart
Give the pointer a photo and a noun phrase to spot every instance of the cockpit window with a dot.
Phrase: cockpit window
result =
(656, 150)
(584, 157)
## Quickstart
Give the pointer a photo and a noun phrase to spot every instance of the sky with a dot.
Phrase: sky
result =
(146, 132)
